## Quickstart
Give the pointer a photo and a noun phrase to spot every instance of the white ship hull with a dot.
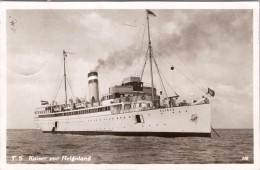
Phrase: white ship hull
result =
(181, 121)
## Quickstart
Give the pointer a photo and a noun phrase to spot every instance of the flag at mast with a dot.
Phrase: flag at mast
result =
(64, 53)
(150, 13)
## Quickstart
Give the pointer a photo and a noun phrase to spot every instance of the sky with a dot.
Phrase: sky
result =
(208, 48)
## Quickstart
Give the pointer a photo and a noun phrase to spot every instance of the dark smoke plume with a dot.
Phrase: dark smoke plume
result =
(201, 32)
(117, 60)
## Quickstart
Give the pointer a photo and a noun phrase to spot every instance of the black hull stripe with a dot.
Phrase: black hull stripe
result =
(160, 134)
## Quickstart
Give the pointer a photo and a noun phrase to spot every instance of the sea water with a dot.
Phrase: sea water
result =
(35, 147)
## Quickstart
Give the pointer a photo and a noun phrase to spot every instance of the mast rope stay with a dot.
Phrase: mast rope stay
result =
(69, 82)
(168, 62)
(140, 52)
(58, 89)
(199, 83)
(159, 74)
(174, 91)
(142, 70)
(58, 85)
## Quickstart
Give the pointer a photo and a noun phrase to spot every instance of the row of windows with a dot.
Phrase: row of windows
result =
(101, 109)
(165, 110)
(41, 112)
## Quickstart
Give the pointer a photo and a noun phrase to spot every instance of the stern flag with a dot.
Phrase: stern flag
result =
(44, 102)
(211, 92)
(150, 13)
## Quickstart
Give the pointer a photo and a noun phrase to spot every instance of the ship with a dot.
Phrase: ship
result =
(129, 109)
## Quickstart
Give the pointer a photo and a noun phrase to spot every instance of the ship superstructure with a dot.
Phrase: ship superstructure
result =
(130, 108)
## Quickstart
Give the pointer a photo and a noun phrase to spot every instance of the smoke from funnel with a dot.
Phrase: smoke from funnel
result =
(117, 60)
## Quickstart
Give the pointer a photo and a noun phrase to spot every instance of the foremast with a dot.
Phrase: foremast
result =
(65, 80)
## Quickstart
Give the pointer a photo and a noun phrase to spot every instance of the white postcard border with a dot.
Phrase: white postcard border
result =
(129, 5)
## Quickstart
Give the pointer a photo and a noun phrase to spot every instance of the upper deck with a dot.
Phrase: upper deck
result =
(130, 96)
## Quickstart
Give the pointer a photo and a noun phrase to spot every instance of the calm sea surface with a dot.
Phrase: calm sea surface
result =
(230, 147)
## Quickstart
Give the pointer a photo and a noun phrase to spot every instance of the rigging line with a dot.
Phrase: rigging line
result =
(169, 83)
(187, 78)
(138, 44)
(159, 73)
(142, 72)
(139, 56)
(163, 89)
(164, 92)
(196, 79)
(170, 86)
(69, 83)
(57, 88)
(142, 27)
(183, 63)
(142, 44)
(202, 89)
(68, 78)
(174, 91)
(135, 101)
(143, 66)
(146, 58)
(73, 96)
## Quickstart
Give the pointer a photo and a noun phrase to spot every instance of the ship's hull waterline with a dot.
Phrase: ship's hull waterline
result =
(181, 121)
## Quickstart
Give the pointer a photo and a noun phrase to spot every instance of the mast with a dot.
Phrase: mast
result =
(150, 53)
(65, 55)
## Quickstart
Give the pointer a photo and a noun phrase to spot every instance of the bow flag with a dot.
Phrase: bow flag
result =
(150, 13)
(211, 92)
(44, 102)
